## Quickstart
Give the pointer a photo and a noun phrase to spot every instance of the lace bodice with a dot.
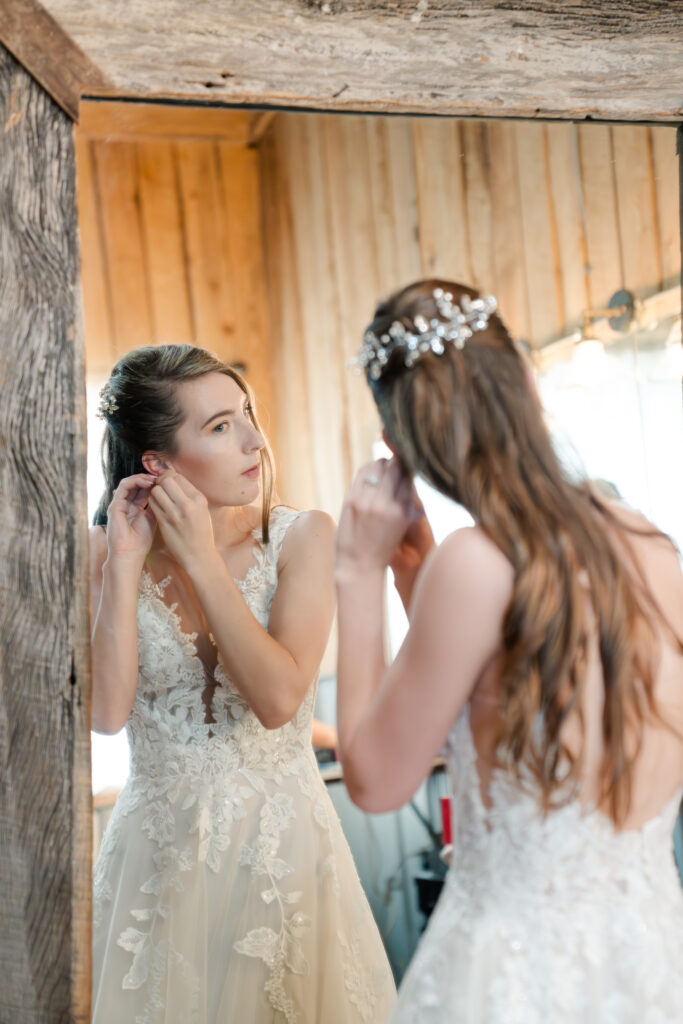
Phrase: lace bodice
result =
(168, 721)
(547, 918)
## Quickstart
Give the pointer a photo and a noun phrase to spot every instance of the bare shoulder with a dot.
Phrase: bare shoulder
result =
(469, 556)
(310, 535)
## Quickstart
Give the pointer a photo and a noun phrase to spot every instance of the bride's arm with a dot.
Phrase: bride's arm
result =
(271, 669)
(392, 721)
(274, 669)
(116, 561)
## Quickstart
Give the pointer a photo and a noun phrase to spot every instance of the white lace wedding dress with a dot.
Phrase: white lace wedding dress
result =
(225, 891)
(555, 921)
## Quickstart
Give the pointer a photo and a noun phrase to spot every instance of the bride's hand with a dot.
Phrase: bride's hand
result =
(182, 513)
(130, 524)
(377, 514)
(415, 544)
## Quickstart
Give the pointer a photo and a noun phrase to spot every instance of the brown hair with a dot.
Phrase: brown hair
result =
(146, 415)
(469, 422)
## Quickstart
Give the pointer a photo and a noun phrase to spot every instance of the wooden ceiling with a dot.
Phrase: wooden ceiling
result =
(598, 59)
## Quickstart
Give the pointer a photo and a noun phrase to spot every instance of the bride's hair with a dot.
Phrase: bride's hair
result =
(142, 413)
(470, 423)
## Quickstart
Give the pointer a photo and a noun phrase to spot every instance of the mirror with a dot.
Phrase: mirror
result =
(268, 237)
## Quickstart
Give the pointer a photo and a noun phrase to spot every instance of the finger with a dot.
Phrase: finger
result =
(170, 486)
(132, 484)
(161, 503)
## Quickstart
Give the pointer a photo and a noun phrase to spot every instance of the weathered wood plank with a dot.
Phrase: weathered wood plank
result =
(164, 249)
(508, 239)
(243, 238)
(663, 142)
(49, 53)
(112, 120)
(566, 200)
(45, 817)
(539, 235)
(99, 328)
(292, 441)
(479, 204)
(439, 159)
(599, 58)
(205, 246)
(605, 258)
(124, 243)
(636, 207)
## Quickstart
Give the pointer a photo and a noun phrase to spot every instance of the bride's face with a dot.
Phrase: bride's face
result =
(218, 449)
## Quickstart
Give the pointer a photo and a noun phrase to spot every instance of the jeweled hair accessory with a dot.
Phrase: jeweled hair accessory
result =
(458, 325)
(108, 403)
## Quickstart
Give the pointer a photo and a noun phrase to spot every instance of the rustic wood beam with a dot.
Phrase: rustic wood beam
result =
(112, 120)
(45, 801)
(48, 53)
(598, 59)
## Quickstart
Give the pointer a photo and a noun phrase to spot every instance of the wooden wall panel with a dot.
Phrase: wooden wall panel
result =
(171, 311)
(635, 194)
(665, 162)
(173, 249)
(537, 214)
(605, 259)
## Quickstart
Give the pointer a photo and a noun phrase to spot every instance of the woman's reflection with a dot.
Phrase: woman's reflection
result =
(224, 889)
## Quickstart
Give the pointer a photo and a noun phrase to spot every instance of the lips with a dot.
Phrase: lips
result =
(252, 471)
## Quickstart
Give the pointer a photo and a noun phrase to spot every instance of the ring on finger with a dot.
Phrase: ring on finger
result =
(371, 481)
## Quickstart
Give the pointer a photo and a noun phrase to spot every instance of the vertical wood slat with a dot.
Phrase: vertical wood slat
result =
(119, 195)
(636, 207)
(566, 195)
(605, 274)
(164, 251)
(201, 190)
(508, 244)
(45, 821)
(355, 262)
(240, 212)
(100, 351)
(663, 142)
(539, 233)
(304, 166)
(479, 205)
(439, 166)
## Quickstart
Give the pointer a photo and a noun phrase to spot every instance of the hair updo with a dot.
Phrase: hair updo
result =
(142, 413)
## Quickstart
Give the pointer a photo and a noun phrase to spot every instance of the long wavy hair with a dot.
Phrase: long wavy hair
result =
(469, 422)
(145, 415)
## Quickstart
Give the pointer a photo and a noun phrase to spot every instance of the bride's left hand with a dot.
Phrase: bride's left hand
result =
(378, 511)
(182, 515)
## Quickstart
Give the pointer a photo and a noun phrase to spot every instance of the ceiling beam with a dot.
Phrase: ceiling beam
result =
(48, 53)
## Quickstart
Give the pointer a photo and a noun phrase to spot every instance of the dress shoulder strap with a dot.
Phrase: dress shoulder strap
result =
(281, 518)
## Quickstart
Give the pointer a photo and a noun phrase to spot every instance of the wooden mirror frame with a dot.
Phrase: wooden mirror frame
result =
(45, 798)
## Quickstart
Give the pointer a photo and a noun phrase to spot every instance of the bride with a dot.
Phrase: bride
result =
(224, 891)
(544, 658)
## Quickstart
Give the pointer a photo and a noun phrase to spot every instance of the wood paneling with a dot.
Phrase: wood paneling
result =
(173, 249)
(553, 219)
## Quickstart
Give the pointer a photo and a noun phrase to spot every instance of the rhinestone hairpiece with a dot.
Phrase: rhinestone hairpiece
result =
(108, 403)
(458, 325)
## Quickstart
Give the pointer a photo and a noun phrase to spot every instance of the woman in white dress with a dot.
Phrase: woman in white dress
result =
(224, 891)
(543, 658)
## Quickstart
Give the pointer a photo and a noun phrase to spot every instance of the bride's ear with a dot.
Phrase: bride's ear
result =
(154, 463)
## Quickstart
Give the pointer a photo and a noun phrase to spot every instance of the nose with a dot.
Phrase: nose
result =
(255, 440)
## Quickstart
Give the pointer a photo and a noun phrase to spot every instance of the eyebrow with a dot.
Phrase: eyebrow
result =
(223, 412)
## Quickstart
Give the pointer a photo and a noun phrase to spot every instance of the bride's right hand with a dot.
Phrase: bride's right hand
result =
(130, 524)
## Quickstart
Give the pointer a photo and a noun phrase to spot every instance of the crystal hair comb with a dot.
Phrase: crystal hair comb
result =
(458, 325)
(108, 403)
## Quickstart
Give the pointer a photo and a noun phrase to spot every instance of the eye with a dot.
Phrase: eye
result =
(218, 429)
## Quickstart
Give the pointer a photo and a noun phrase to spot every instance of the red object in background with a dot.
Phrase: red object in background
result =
(446, 825)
